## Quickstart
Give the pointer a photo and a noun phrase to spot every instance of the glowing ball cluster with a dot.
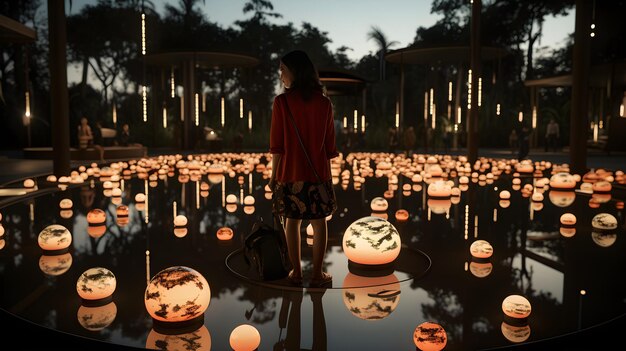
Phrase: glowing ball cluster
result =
(245, 338)
(177, 294)
(371, 241)
(54, 237)
(96, 284)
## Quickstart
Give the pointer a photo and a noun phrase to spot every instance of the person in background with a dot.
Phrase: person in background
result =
(393, 139)
(524, 142)
(87, 138)
(513, 141)
(297, 192)
(125, 139)
(552, 135)
(409, 141)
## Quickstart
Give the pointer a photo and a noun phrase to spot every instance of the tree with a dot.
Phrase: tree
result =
(383, 44)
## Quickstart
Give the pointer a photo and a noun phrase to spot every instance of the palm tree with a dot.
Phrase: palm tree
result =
(383, 45)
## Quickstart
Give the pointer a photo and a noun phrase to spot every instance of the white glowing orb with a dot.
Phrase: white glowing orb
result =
(516, 306)
(96, 283)
(371, 241)
(245, 338)
(177, 294)
(604, 221)
(563, 180)
(379, 204)
(96, 318)
(54, 237)
(481, 249)
(568, 219)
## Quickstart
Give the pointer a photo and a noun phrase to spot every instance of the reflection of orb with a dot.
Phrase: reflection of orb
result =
(230, 208)
(430, 336)
(216, 178)
(567, 232)
(96, 217)
(516, 306)
(536, 206)
(122, 215)
(245, 338)
(402, 215)
(562, 198)
(54, 237)
(603, 239)
(480, 269)
(96, 231)
(562, 180)
(601, 186)
(514, 333)
(379, 204)
(180, 232)
(96, 283)
(96, 318)
(481, 249)
(66, 204)
(371, 241)
(224, 233)
(371, 298)
(199, 340)
(65, 214)
(568, 219)
(537, 197)
(2, 243)
(601, 198)
(504, 203)
(586, 188)
(177, 294)
(55, 265)
(29, 184)
(604, 221)
(439, 206)
(248, 209)
(1, 230)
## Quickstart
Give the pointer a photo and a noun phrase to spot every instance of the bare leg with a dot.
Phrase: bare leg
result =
(100, 150)
(292, 234)
(320, 239)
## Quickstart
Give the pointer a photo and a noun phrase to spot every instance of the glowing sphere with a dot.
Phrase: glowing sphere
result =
(248, 200)
(464, 180)
(96, 217)
(231, 199)
(54, 237)
(567, 232)
(96, 284)
(439, 206)
(568, 219)
(504, 203)
(586, 188)
(439, 189)
(51, 178)
(177, 294)
(1, 230)
(480, 269)
(516, 306)
(562, 198)
(515, 334)
(224, 233)
(180, 221)
(379, 204)
(604, 221)
(231, 208)
(66, 204)
(402, 215)
(55, 265)
(248, 209)
(371, 241)
(619, 205)
(122, 215)
(2, 243)
(481, 249)
(29, 184)
(198, 340)
(140, 197)
(601, 186)
(245, 338)
(505, 195)
(430, 336)
(603, 239)
(96, 318)
(537, 197)
(371, 298)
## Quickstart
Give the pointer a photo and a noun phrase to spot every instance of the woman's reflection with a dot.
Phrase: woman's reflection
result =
(290, 318)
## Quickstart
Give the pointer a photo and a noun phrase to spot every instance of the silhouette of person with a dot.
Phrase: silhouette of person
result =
(409, 140)
(393, 139)
(552, 135)
(524, 142)
(125, 139)
(304, 109)
(88, 139)
(290, 317)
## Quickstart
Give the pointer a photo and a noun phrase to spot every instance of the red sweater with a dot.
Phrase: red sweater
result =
(314, 119)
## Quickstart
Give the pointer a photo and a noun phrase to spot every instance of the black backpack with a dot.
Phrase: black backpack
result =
(265, 249)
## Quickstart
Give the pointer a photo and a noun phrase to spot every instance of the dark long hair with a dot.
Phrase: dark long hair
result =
(305, 77)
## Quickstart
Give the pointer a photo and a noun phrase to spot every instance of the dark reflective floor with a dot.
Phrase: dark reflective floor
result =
(573, 282)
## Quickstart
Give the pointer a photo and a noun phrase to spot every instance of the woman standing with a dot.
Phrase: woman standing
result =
(302, 142)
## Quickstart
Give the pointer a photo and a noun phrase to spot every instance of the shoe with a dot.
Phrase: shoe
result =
(323, 281)
(294, 280)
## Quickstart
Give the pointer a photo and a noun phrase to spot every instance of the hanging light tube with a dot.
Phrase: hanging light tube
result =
(164, 116)
(144, 98)
(197, 110)
(143, 33)
(250, 120)
(222, 112)
(241, 108)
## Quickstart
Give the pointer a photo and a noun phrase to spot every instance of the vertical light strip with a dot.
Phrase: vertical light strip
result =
(27, 113)
(356, 118)
(497, 109)
(534, 119)
(449, 111)
(480, 91)
(143, 33)
(450, 91)
(224, 190)
(466, 220)
(345, 122)
(397, 114)
(222, 112)
(621, 111)
(430, 105)
(147, 267)
(434, 117)
(520, 116)
(469, 89)
(241, 108)
(182, 108)
(458, 115)
(174, 210)
(114, 114)
(145, 185)
(197, 194)
(362, 123)
(595, 132)
(172, 84)
(144, 98)
(495, 215)
(164, 116)
(425, 107)
(250, 120)
(197, 111)
(241, 195)
(250, 183)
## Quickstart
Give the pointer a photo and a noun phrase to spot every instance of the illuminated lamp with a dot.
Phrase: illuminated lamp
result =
(464, 180)
(240, 180)
(439, 190)
(245, 338)
(515, 187)
(603, 239)
(439, 206)
(96, 219)
(604, 222)
(481, 249)
(382, 215)
(379, 204)
(430, 336)
(516, 181)
(567, 232)
(537, 197)
(593, 203)
(224, 233)
(417, 178)
(568, 219)
(204, 186)
(183, 178)
(29, 184)
(524, 167)
(505, 195)
(96, 318)
(371, 241)
(231, 208)
(176, 298)
(197, 340)
(54, 238)
(601, 187)
(417, 188)
(248, 200)
(121, 214)
(619, 205)
(51, 178)
(536, 206)
(66, 214)
(140, 198)
(600, 197)
(55, 265)
(586, 188)
(515, 334)
(371, 298)
(96, 286)
(455, 192)
(463, 187)
(562, 198)
(406, 187)
(180, 221)
(204, 193)
(248, 209)
(480, 269)
(180, 232)
(231, 199)
(516, 306)
(402, 215)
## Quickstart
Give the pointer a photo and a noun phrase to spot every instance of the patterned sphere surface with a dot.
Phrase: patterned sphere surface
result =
(371, 241)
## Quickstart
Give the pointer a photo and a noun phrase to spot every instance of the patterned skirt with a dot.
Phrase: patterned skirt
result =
(304, 200)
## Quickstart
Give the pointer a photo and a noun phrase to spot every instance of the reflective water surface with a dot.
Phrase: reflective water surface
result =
(572, 276)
